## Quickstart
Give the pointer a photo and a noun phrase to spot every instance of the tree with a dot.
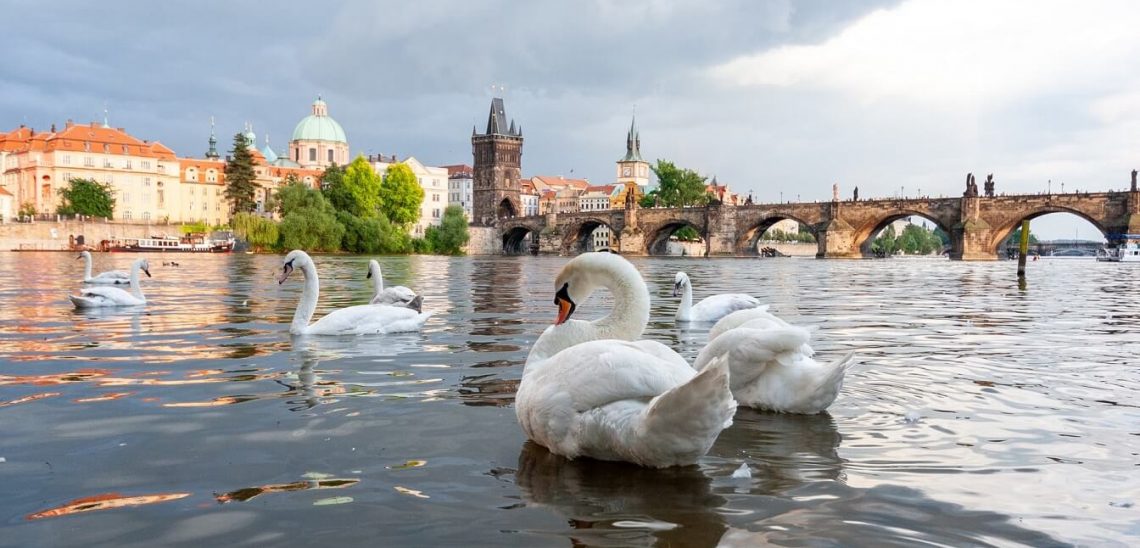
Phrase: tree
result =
(359, 190)
(259, 232)
(451, 234)
(86, 197)
(27, 209)
(401, 195)
(679, 187)
(199, 227)
(1014, 238)
(649, 199)
(687, 233)
(886, 242)
(240, 177)
(309, 220)
(332, 186)
(372, 235)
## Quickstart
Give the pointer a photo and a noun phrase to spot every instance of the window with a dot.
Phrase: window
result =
(191, 208)
(86, 146)
(146, 181)
(211, 175)
(203, 206)
(161, 198)
(191, 174)
(435, 197)
(331, 152)
(107, 163)
(127, 164)
(89, 161)
(217, 192)
(312, 154)
(126, 197)
(66, 176)
(106, 148)
(66, 160)
(435, 213)
(146, 215)
(145, 164)
(297, 155)
(125, 149)
(127, 215)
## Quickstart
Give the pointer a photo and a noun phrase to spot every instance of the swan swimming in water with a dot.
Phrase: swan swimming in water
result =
(771, 365)
(109, 277)
(352, 320)
(396, 295)
(97, 297)
(584, 394)
(711, 308)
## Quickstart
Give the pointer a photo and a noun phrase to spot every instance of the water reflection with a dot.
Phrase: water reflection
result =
(782, 451)
(617, 504)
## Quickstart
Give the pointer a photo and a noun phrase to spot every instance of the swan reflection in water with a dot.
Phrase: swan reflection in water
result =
(307, 389)
(619, 504)
(783, 451)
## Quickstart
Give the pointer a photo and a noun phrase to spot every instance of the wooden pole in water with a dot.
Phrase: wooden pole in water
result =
(1023, 248)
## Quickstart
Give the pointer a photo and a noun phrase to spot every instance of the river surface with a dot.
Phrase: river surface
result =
(980, 413)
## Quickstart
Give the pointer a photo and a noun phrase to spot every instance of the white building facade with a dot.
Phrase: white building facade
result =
(460, 187)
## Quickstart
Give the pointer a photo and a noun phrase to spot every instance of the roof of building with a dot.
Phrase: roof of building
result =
(497, 120)
(459, 171)
(632, 144)
(542, 182)
(319, 126)
(93, 137)
(605, 189)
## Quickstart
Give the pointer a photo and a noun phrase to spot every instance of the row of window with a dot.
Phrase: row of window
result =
(89, 161)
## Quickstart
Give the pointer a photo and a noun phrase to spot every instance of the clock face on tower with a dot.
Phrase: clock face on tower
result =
(625, 171)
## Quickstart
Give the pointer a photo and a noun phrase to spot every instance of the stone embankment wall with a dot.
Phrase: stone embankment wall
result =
(54, 236)
(484, 241)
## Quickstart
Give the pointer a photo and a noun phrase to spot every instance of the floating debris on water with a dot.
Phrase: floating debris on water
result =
(415, 463)
(912, 417)
(412, 492)
(332, 500)
(743, 472)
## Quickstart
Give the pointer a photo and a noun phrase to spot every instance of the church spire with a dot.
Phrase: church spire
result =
(633, 143)
(213, 152)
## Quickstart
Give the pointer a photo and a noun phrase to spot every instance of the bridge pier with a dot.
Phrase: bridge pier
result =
(837, 241)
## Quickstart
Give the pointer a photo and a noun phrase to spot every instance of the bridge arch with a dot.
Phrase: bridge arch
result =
(865, 235)
(580, 236)
(747, 241)
(1001, 232)
(520, 239)
(658, 236)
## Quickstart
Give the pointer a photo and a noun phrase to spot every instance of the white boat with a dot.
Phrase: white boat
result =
(1128, 252)
(218, 242)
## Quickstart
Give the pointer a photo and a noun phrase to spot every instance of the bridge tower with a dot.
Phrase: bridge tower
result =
(498, 167)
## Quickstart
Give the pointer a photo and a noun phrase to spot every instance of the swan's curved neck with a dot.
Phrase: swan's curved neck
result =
(87, 267)
(377, 280)
(630, 314)
(136, 287)
(308, 303)
(686, 309)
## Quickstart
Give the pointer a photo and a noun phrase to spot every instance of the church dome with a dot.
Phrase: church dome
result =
(319, 126)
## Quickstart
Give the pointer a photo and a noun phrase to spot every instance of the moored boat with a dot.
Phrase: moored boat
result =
(216, 242)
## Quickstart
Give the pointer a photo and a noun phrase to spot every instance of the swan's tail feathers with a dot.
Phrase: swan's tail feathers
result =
(825, 392)
(685, 421)
(750, 352)
(80, 302)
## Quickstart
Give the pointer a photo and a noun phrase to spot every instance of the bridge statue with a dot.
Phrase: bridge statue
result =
(990, 185)
(835, 192)
(630, 198)
(971, 186)
(855, 195)
(1134, 180)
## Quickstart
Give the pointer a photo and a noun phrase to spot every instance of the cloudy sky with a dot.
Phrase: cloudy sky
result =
(778, 97)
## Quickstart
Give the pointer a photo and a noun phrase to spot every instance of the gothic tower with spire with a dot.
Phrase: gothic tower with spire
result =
(498, 168)
(631, 168)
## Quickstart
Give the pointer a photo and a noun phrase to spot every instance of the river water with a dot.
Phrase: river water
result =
(980, 413)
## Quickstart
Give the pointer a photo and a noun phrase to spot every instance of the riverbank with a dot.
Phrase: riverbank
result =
(59, 235)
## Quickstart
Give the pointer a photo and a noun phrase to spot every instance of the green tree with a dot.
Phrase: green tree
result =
(332, 186)
(886, 242)
(372, 235)
(309, 220)
(679, 187)
(27, 209)
(687, 233)
(649, 199)
(401, 195)
(259, 232)
(451, 234)
(1014, 238)
(240, 177)
(86, 197)
(199, 227)
(360, 189)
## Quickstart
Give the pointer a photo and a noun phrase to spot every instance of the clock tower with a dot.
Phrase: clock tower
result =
(631, 168)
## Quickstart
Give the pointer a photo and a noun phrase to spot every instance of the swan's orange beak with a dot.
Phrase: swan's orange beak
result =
(565, 304)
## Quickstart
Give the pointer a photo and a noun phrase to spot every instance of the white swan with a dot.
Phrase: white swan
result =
(96, 297)
(711, 308)
(584, 394)
(771, 364)
(396, 295)
(353, 320)
(109, 277)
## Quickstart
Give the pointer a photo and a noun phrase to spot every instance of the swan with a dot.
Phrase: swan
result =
(109, 277)
(585, 394)
(771, 364)
(396, 295)
(96, 297)
(353, 320)
(710, 309)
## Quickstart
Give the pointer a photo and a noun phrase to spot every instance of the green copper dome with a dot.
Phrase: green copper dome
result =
(319, 126)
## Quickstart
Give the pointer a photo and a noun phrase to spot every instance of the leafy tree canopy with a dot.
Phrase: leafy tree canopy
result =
(259, 232)
(451, 234)
(359, 189)
(240, 177)
(86, 197)
(678, 187)
(401, 195)
(309, 221)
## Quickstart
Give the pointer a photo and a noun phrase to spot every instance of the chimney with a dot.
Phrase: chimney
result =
(69, 123)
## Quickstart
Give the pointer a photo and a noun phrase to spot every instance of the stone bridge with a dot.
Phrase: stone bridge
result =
(843, 229)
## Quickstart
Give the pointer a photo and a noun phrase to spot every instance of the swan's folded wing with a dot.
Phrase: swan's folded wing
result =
(598, 373)
(109, 293)
(751, 351)
(367, 319)
(736, 319)
(395, 296)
